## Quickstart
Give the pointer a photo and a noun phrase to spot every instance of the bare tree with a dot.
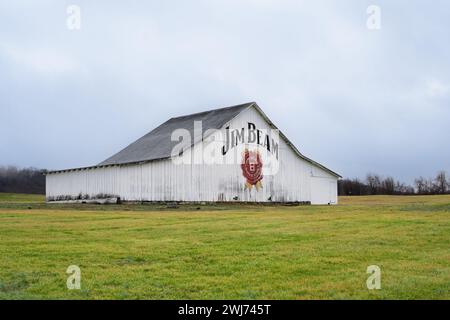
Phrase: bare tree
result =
(353, 187)
(373, 183)
(440, 182)
(28, 180)
(388, 186)
(421, 185)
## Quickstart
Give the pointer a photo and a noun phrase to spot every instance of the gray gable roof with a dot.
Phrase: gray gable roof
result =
(157, 143)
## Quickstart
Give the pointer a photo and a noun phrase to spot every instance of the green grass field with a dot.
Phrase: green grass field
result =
(226, 251)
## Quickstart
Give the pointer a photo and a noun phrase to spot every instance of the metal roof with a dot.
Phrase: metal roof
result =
(157, 144)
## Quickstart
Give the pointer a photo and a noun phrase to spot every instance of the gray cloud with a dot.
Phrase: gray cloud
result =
(356, 100)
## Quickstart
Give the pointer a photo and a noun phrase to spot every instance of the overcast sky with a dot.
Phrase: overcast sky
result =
(354, 99)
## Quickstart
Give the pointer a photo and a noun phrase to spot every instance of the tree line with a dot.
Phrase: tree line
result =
(32, 180)
(375, 184)
(26, 180)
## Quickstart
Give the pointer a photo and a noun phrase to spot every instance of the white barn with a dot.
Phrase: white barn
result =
(233, 154)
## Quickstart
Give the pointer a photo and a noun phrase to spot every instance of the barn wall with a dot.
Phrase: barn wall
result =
(296, 180)
(323, 187)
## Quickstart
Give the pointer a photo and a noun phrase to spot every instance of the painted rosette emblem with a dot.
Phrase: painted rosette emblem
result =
(252, 169)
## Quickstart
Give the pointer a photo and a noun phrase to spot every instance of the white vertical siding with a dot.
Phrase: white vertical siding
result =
(323, 187)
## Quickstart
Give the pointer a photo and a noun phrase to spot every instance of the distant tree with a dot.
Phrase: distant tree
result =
(352, 187)
(370, 181)
(388, 186)
(28, 180)
(430, 186)
(421, 185)
(373, 183)
(440, 182)
(401, 188)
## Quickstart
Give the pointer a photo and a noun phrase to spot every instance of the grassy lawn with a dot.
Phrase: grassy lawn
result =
(226, 251)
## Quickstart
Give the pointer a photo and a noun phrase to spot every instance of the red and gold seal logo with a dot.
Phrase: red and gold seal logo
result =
(252, 169)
